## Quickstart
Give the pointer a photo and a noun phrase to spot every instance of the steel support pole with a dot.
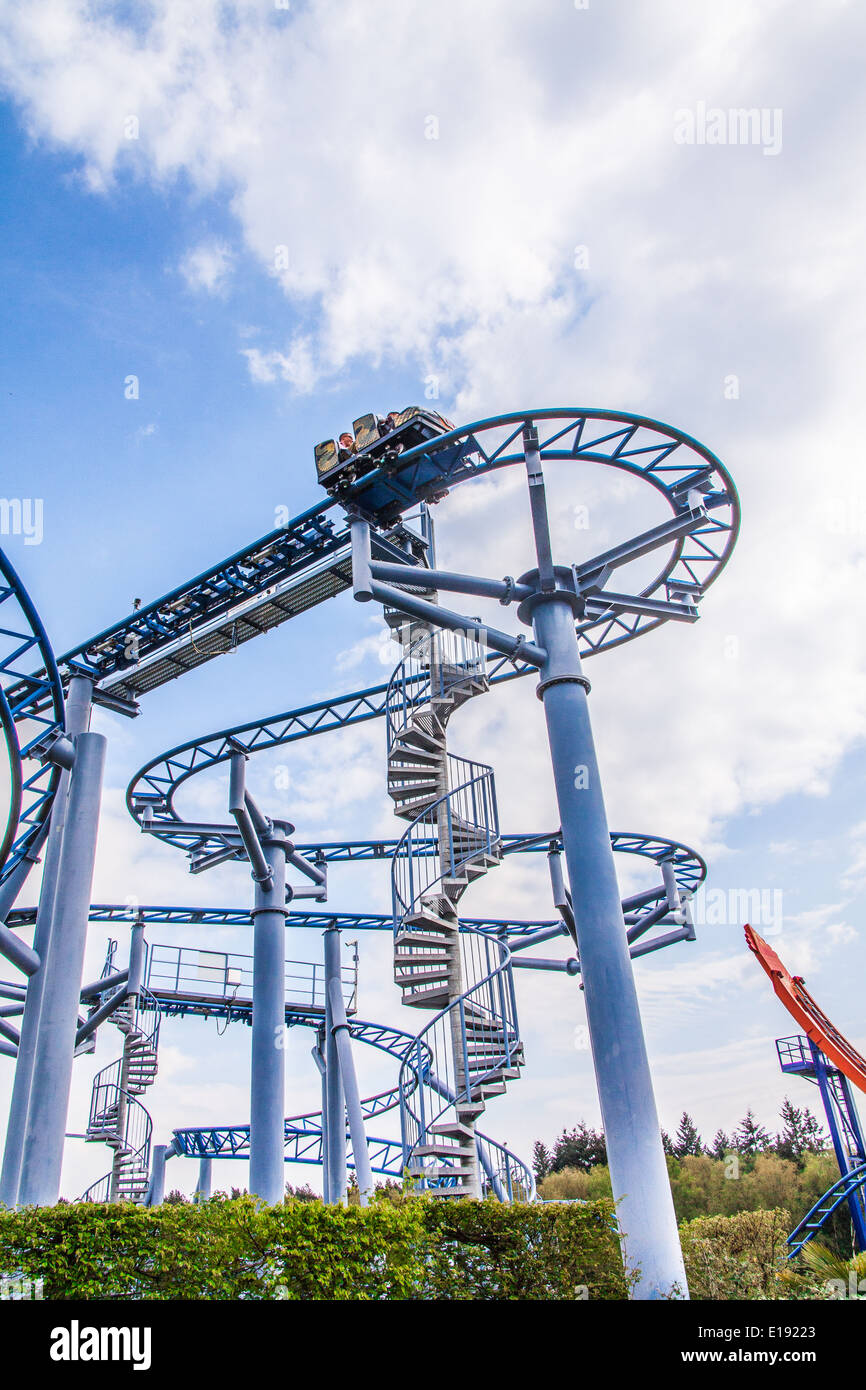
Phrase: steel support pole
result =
(42, 1158)
(639, 1176)
(335, 1106)
(78, 707)
(340, 1027)
(637, 1163)
(156, 1188)
(205, 1173)
(268, 1069)
(318, 1055)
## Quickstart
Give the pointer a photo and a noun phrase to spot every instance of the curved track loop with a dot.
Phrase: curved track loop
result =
(678, 466)
(505, 1175)
(32, 713)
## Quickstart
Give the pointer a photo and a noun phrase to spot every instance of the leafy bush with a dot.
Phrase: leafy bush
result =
(735, 1256)
(397, 1248)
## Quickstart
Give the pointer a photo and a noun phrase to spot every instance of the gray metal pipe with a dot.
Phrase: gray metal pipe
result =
(78, 707)
(458, 622)
(537, 937)
(335, 1107)
(357, 1132)
(505, 590)
(637, 1162)
(42, 1156)
(205, 1175)
(268, 1060)
(18, 952)
(567, 967)
(105, 1010)
(10, 1032)
(362, 579)
(684, 934)
(118, 977)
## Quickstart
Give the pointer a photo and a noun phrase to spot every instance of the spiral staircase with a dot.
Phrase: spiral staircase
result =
(117, 1117)
(471, 1048)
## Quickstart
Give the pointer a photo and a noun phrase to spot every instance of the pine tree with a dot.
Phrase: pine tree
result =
(721, 1145)
(688, 1140)
(667, 1145)
(579, 1148)
(801, 1133)
(750, 1137)
(541, 1160)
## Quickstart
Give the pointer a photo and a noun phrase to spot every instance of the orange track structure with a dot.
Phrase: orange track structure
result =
(802, 1007)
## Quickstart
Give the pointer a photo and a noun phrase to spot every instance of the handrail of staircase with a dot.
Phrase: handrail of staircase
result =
(431, 1085)
(434, 662)
(463, 804)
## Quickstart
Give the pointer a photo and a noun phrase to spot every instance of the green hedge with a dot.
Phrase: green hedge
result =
(409, 1248)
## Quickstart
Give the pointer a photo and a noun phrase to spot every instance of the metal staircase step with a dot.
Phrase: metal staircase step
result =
(426, 999)
(420, 977)
(452, 1129)
(429, 958)
(420, 938)
(470, 1108)
(441, 1151)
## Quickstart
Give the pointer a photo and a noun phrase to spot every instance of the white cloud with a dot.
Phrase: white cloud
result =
(208, 266)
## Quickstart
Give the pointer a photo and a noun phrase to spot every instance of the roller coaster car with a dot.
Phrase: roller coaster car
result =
(375, 443)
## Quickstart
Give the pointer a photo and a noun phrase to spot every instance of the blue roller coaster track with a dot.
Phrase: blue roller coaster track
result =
(458, 970)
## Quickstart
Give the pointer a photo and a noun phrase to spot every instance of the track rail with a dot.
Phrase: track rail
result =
(32, 714)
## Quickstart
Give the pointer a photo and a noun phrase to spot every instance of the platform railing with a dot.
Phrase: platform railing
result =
(228, 976)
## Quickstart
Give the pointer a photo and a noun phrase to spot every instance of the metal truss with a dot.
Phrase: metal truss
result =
(309, 559)
(694, 483)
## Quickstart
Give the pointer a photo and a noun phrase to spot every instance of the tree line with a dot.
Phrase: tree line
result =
(799, 1135)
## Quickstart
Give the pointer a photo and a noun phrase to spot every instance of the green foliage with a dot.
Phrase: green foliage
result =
(734, 1257)
(582, 1148)
(397, 1248)
(704, 1186)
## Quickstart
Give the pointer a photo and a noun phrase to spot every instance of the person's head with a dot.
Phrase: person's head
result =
(391, 419)
(347, 440)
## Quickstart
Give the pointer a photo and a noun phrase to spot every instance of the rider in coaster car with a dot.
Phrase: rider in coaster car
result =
(347, 447)
(388, 424)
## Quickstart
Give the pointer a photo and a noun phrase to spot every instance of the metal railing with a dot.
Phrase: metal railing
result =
(227, 976)
(450, 1061)
(464, 821)
(435, 662)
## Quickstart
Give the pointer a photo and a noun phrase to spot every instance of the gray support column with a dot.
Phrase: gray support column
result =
(318, 1055)
(42, 1158)
(268, 1069)
(340, 1027)
(637, 1163)
(78, 706)
(335, 1106)
(205, 1173)
(156, 1189)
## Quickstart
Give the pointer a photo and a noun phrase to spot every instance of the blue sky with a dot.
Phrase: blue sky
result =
(458, 256)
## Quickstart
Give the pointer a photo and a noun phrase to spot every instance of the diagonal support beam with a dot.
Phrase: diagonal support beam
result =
(640, 545)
